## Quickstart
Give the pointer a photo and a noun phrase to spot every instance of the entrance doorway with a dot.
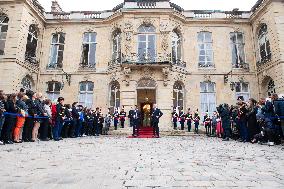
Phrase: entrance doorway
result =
(145, 100)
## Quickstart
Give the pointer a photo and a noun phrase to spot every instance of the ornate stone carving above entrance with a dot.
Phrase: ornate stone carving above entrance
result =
(146, 83)
(146, 71)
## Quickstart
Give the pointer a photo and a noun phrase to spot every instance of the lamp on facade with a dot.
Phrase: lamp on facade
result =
(232, 86)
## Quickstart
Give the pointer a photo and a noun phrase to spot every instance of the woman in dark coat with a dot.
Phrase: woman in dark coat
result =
(10, 120)
(251, 116)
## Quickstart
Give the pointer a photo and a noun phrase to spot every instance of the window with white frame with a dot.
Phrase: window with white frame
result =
(53, 90)
(89, 50)
(178, 95)
(31, 45)
(242, 90)
(205, 45)
(3, 32)
(114, 95)
(146, 43)
(238, 52)
(57, 49)
(176, 47)
(116, 46)
(264, 44)
(208, 97)
(86, 94)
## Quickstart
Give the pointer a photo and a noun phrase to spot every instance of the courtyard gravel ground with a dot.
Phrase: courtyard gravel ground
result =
(117, 162)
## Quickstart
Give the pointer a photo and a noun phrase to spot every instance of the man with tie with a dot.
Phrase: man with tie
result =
(156, 115)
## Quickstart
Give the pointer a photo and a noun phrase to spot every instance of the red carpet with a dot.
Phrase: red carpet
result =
(144, 132)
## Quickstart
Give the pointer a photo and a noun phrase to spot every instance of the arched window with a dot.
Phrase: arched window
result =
(27, 83)
(3, 32)
(53, 90)
(271, 89)
(264, 44)
(31, 46)
(146, 43)
(208, 97)
(114, 95)
(176, 47)
(86, 94)
(116, 46)
(178, 95)
(89, 50)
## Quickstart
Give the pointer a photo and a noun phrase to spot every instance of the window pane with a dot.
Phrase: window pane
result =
(200, 37)
(211, 87)
(92, 54)
(3, 36)
(208, 37)
(50, 87)
(203, 86)
(83, 87)
(4, 28)
(238, 87)
(57, 87)
(86, 37)
(53, 59)
(62, 38)
(245, 87)
(233, 37)
(141, 37)
(54, 38)
(93, 37)
(201, 58)
(60, 57)
(240, 38)
(90, 86)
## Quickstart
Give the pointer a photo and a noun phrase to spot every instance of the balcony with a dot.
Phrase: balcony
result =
(149, 60)
(264, 60)
(87, 67)
(79, 15)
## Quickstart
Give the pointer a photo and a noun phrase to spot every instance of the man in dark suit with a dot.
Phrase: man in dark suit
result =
(156, 115)
(136, 119)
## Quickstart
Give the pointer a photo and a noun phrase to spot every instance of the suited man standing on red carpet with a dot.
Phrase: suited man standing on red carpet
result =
(156, 115)
(136, 117)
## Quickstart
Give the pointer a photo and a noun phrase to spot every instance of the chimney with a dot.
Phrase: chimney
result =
(55, 7)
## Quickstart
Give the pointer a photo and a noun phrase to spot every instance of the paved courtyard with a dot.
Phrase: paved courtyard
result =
(118, 162)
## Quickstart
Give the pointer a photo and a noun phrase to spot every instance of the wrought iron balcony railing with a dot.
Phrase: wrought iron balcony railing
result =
(87, 66)
(150, 59)
(31, 60)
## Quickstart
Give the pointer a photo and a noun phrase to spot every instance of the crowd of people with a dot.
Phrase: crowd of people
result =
(253, 121)
(28, 117)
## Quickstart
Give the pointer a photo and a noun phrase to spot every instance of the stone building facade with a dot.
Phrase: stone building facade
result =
(149, 51)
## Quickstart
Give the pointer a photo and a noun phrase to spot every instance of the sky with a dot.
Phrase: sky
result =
(100, 5)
